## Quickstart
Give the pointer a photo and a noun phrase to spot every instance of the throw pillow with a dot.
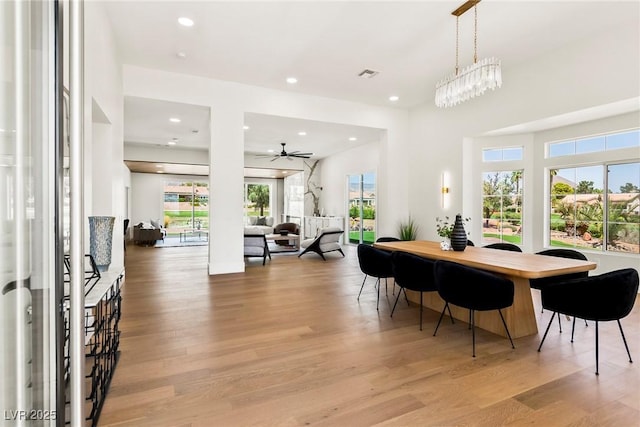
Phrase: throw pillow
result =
(253, 220)
(268, 221)
(155, 224)
(261, 221)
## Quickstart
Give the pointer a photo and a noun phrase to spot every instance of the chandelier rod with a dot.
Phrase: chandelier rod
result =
(464, 7)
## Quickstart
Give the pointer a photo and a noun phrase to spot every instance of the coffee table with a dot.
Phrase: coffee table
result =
(295, 238)
(200, 234)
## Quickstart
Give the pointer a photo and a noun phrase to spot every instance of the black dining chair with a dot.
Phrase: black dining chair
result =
(544, 281)
(388, 239)
(504, 246)
(415, 273)
(606, 297)
(375, 263)
(474, 289)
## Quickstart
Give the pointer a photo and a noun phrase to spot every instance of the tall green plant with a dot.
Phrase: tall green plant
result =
(408, 230)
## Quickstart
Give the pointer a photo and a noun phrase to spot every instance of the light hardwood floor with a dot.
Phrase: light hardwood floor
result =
(287, 344)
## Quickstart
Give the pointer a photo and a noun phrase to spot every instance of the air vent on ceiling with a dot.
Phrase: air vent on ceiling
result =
(367, 74)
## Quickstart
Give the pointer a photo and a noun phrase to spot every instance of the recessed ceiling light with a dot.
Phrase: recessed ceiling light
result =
(272, 176)
(174, 120)
(1, 130)
(171, 143)
(245, 127)
(181, 55)
(285, 172)
(269, 151)
(393, 98)
(159, 172)
(158, 166)
(187, 22)
(302, 133)
(292, 80)
(353, 138)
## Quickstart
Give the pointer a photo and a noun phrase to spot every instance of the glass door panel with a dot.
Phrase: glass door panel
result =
(361, 190)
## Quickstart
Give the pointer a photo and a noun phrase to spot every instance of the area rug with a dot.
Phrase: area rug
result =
(172, 242)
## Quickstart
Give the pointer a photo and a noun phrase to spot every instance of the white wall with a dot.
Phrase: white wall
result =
(229, 102)
(103, 126)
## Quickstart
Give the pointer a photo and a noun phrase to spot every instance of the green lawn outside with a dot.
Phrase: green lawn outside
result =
(506, 238)
(560, 244)
(368, 236)
(185, 214)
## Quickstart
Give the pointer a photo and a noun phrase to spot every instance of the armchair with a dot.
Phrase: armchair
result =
(255, 245)
(328, 240)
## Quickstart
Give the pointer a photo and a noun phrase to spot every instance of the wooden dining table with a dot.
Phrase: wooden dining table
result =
(516, 266)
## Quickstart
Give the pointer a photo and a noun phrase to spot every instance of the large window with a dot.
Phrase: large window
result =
(596, 207)
(257, 200)
(502, 206)
(594, 144)
(186, 206)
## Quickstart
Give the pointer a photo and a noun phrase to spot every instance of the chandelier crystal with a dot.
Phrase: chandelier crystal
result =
(473, 80)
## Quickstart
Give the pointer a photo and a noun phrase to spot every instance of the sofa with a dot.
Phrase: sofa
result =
(148, 234)
(259, 225)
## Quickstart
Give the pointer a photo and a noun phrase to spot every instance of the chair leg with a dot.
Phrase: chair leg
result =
(559, 324)
(378, 299)
(341, 252)
(473, 331)
(396, 303)
(386, 287)
(573, 327)
(440, 319)
(420, 310)
(405, 296)
(625, 341)
(448, 307)
(597, 344)
(546, 331)
(505, 328)
(469, 320)
(365, 278)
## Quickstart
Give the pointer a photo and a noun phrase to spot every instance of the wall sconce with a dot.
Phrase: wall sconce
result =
(444, 190)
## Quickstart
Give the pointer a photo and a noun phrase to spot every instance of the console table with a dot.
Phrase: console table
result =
(102, 339)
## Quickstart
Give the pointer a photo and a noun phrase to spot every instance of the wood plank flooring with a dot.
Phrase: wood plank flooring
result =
(288, 344)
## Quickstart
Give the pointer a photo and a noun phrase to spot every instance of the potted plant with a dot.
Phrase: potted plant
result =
(408, 230)
(444, 228)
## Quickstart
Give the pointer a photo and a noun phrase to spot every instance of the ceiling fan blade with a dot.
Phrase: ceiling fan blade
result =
(300, 156)
(290, 158)
(275, 158)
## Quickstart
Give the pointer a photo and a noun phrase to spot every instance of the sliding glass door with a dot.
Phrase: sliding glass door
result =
(361, 208)
(185, 206)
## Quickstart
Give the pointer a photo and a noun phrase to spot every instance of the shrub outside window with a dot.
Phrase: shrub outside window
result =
(586, 213)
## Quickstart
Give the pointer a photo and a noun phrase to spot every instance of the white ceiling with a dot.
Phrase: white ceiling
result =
(325, 45)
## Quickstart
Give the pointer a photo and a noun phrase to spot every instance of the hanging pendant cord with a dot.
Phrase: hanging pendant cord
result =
(475, 35)
(457, 41)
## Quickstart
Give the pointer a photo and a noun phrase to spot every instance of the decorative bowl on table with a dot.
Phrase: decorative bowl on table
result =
(284, 232)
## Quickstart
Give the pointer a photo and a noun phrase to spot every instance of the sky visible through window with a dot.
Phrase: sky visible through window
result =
(595, 144)
(619, 175)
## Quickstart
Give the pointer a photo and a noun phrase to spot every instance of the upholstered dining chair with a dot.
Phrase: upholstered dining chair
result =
(474, 289)
(504, 246)
(375, 263)
(544, 281)
(606, 297)
(389, 239)
(328, 240)
(415, 273)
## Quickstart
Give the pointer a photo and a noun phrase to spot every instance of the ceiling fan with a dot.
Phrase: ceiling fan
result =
(284, 153)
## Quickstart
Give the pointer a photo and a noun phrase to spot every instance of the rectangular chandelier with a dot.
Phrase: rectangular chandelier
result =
(473, 80)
